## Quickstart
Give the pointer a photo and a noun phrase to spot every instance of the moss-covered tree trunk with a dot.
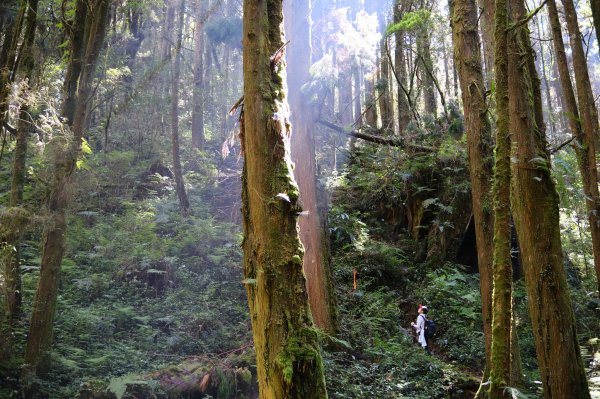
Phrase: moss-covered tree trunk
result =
(467, 59)
(39, 339)
(535, 208)
(12, 272)
(589, 133)
(316, 260)
(288, 358)
(184, 203)
(502, 265)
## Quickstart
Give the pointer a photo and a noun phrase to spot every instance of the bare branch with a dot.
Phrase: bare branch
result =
(373, 138)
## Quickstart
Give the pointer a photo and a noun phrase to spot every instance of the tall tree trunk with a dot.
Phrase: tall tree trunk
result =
(357, 74)
(546, 82)
(487, 34)
(384, 91)
(76, 54)
(401, 71)
(288, 358)
(39, 340)
(370, 100)
(426, 69)
(184, 203)
(502, 267)
(446, 68)
(467, 60)
(316, 259)
(559, 97)
(132, 45)
(589, 133)
(198, 95)
(535, 208)
(12, 272)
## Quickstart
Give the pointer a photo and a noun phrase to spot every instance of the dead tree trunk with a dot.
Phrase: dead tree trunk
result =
(316, 261)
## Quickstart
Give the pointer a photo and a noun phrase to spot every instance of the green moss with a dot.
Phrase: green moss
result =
(244, 374)
(13, 220)
(300, 350)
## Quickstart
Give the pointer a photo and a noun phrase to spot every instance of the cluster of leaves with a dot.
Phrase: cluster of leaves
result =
(411, 21)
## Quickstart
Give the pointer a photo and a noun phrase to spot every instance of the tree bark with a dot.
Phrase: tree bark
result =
(74, 68)
(370, 100)
(39, 340)
(426, 70)
(401, 73)
(198, 95)
(546, 82)
(184, 203)
(502, 266)
(357, 74)
(487, 34)
(384, 86)
(535, 208)
(316, 261)
(288, 358)
(589, 132)
(467, 61)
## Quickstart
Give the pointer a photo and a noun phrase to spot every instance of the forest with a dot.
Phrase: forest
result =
(303, 199)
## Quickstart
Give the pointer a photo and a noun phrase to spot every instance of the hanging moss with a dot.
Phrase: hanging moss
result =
(13, 220)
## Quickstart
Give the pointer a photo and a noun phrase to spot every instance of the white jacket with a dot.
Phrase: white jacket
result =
(420, 327)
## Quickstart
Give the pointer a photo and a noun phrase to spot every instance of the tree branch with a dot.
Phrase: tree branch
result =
(560, 146)
(529, 17)
(397, 142)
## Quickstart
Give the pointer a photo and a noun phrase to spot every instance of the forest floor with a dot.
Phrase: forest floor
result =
(151, 304)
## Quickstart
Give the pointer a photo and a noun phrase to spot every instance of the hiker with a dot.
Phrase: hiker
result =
(419, 326)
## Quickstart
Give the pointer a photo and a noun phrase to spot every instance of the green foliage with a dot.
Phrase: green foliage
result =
(118, 386)
(346, 229)
(411, 21)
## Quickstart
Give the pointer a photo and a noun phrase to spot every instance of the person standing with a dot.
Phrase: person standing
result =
(419, 326)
